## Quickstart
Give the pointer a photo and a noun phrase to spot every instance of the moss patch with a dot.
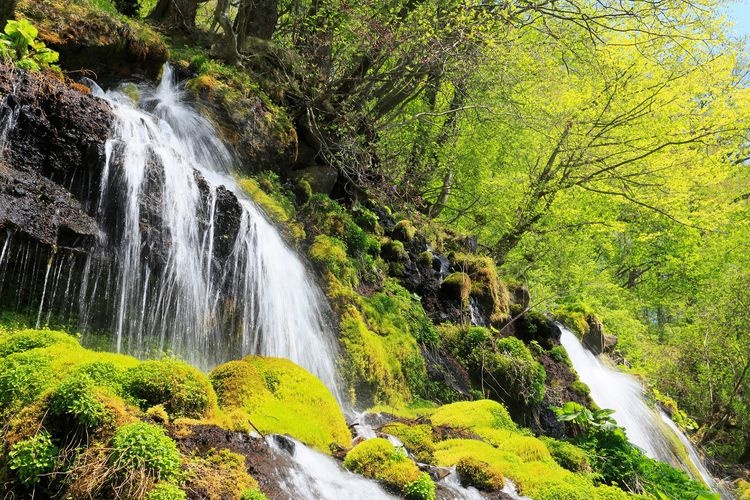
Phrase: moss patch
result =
(378, 459)
(279, 397)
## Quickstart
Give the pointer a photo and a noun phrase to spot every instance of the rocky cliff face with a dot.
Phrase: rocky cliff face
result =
(53, 137)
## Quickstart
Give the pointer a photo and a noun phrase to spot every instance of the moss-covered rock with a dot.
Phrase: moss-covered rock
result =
(404, 231)
(474, 415)
(489, 291)
(378, 459)
(91, 35)
(457, 287)
(261, 132)
(394, 251)
(329, 254)
(219, 475)
(568, 455)
(181, 389)
(277, 396)
(478, 474)
(269, 195)
(417, 439)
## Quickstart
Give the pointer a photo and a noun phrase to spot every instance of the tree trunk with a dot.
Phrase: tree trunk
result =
(256, 18)
(7, 11)
(228, 50)
(178, 15)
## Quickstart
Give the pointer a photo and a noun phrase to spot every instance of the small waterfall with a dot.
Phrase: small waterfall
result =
(319, 477)
(181, 280)
(649, 429)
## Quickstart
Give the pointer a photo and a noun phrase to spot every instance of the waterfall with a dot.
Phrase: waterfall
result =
(651, 430)
(181, 281)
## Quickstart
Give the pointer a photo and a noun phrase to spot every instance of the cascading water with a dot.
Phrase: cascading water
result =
(650, 430)
(170, 287)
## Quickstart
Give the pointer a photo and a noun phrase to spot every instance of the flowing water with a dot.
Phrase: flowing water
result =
(169, 288)
(649, 429)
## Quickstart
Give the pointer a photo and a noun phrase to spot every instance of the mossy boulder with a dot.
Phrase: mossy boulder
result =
(182, 390)
(457, 287)
(473, 415)
(480, 475)
(268, 194)
(417, 439)
(486, 287)
(277, 396)
(404, 231)
(378, 459)
(394, 251)
(568, 455)
(261, 132)
(93, 36)
(219, 474)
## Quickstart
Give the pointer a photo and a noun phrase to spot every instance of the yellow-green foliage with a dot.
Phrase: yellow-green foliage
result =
(278, 208)
(220, 475)
(417, 439)
(473, 415)
(574, 317)
(537, 479)
(378, 459)
(486, 286)
(478, 474)
(528, 448)
(181, 389)
(280, 397)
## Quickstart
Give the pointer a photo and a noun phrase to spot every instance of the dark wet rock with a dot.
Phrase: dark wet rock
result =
(593, 340)
(610, 343)
(530, 326)
(95, 42)
(444, 369)
(265, 465)
(322, 178)
(50, 166)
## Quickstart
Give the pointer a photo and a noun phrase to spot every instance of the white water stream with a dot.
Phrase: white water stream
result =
(258, 300)
(649, 429)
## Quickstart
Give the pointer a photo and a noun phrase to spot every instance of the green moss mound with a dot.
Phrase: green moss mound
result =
(379, 459)
(537, 479)
(478, 474)
(486, 286)
(474, 415)
(181, 389)
(145, 447)
(277, 396)
(416, 438)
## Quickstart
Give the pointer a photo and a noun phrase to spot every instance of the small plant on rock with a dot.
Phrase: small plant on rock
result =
(19, 43)
(145, 447)
(33, 457)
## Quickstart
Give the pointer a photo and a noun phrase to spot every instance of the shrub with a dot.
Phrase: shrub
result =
(141, 446)
(165, 491)
(478, 474)
(181, 389)
(23, 377)
(32, 457)
(75, 397)
(421, 489)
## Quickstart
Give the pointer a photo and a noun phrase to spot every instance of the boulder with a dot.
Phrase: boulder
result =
(594, 338)
(90, 39)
